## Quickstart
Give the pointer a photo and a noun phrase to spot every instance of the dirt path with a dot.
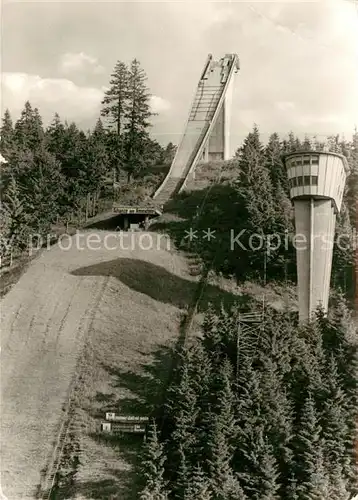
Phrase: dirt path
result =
(47, 317)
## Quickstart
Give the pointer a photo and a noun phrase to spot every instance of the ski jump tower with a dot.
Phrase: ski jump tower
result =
(317, 181)
(206, 135)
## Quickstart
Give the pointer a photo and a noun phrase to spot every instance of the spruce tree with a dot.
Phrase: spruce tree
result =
(256, 197)
(307, 144)
(198, 488)
(182, 480)
(15, 221)
(115, 98)
(223, 400)
(336, 436)
(334, 144)
(212, 337)
(309, 459)
(259, 472)
(273, 159)
(153, 468)
(269, 476)
(55, 137)
(169, 153)
(29, 132)
(6, 134)
(181, 412)
(99, 130)
(220, 456)
(343, 254)
(44, 184)
(137, 113)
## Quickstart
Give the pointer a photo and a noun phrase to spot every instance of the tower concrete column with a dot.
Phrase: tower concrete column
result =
(316, 188)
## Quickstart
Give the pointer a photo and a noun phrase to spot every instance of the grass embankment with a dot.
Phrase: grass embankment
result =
(124, 366)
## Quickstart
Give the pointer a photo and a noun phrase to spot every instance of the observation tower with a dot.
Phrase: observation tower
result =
(317, 181)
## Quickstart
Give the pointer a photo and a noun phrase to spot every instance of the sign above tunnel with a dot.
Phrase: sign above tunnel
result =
(122, 209)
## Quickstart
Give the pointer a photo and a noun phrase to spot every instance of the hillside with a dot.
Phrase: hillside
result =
(77, 314)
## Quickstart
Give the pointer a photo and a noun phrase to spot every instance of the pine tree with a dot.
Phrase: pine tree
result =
(74, 166)
(15, 222)
(278, 416)
(153, 468)
(115, 98)
(223, 400)
(55, 137)
(97, 161)
(220, 456)
(169, 153)
(255, 195)
(6, 134)
(340, 342)
(44, 184)
(310, 470)
(181, 412)
(182, 474)
(343, 254)
(274, 163)
(307, 144)
(99, 130)
(269, 472)
(29, 132)
(318, 145)
(259, 473)
(210, 330)
(198, 488)
(292, 144)
(137, 114)
(334, 145)
(335, 426)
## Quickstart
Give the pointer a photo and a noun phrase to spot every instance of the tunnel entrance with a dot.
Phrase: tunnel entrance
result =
(134, 218)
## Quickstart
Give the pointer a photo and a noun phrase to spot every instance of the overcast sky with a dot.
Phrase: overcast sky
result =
(299, 60)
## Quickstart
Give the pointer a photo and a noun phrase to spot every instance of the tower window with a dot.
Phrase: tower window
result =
(306, 160)
(299, 181)
(314, 160)
(314, 180)
(306, 180)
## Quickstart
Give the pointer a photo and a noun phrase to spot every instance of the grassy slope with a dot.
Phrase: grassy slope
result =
(111, 310)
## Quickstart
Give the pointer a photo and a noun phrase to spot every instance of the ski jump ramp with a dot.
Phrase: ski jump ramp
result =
(206, 135)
